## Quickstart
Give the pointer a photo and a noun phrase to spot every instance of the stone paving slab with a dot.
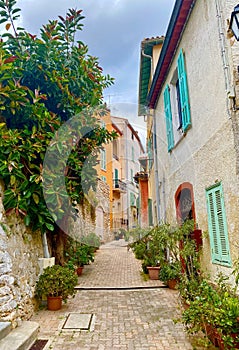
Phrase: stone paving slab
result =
(138, 319)
(76, 320)
(115, 266)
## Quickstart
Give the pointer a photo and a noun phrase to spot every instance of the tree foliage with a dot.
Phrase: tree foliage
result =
(44, 82)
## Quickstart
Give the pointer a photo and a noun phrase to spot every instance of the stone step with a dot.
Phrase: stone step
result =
(20, 338)
(5, 329)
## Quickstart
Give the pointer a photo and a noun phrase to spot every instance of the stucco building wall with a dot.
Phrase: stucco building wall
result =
(207, 153)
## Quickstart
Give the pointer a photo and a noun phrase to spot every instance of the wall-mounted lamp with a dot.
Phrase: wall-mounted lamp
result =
(234, 22)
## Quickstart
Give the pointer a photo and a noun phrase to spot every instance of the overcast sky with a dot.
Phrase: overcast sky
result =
(113, 30)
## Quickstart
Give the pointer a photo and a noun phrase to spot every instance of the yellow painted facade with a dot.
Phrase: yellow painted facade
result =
(104, 166)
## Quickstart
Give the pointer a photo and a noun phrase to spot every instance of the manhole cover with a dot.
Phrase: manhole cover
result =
(39, 344)
(78, 321)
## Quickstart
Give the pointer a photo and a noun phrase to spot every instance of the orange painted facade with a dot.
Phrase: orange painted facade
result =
(117, 168)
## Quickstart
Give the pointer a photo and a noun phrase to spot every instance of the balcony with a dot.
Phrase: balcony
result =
(142, 175)
(119, 186)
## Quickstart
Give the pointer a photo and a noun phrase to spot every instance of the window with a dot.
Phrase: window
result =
(131, 175)
(103, 159)
(179, 108)
(115, 149)
(150, 152)
(183, 89)
(132, 199)
(178, 92)
(103, 178)
(150, 212)
(132, 153)
(218, 226)
(116, 178)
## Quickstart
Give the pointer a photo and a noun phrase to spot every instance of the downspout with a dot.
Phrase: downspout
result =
(221, 32)
(151, 62)
(156, 172)
(46, 253)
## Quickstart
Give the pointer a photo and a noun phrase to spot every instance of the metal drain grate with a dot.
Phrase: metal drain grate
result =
(78, 321)
(39, 344)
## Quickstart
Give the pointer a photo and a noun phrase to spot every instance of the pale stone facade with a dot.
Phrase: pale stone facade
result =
(102, 223)
(19, 253)
(207, 153)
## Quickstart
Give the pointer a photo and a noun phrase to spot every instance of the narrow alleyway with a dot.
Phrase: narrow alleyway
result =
(125, 312)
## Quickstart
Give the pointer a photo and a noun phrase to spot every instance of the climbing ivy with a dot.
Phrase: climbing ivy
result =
(44, 82)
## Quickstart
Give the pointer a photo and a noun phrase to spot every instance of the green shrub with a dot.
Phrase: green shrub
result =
(56, 281)
(91, 239)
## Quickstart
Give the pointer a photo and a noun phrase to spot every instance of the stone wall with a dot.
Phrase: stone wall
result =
(87, 214)
(19, 253)
(103, 202)
(20, 250)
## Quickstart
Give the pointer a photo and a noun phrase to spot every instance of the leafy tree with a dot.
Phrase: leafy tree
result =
(44, 82)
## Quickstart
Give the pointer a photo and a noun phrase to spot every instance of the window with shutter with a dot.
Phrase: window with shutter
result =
(103, 159)
(150, 212)
(132, 199)
(168, 118)
(183, 89)
(116, 179)
(217, 224)
(150, 152)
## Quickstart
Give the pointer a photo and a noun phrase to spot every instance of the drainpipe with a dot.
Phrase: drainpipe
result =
(156, 172)
(45, 246)
(222, 40)
(151, 62)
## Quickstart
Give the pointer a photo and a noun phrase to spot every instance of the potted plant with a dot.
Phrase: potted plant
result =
(56, 283)
(77, 255)
(215, 311)
(155, 253)
(152, 264)
(170, 273)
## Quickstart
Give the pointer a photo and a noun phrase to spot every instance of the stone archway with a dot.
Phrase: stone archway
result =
(185, 209)
(184, 201)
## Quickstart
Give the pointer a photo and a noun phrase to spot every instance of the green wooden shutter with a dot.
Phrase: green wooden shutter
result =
(103, 159)
(168, 118)
(183, 88)
(132, 199)
(150, 211)
(218, 226)
(137, 202)
(150, 153)
(116, 178)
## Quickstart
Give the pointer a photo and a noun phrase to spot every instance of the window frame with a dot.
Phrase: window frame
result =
(177, 113)
(103, 159)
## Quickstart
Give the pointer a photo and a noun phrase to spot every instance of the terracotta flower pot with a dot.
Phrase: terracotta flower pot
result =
(172, 283)
(54, 303)
(79, 270)
(153, 272)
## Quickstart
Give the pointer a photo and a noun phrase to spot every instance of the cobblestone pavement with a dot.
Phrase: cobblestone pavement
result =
(126, 315)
